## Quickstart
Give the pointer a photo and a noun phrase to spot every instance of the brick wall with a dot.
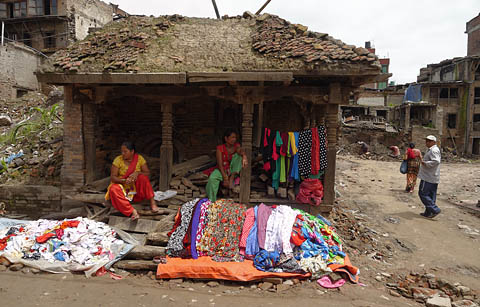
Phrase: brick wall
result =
(89, 14)
(473, 30)
(32, 200)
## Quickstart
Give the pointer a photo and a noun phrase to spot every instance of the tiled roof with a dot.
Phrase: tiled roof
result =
(176, 43)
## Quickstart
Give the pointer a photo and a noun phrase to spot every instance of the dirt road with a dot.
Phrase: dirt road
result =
(401, 241)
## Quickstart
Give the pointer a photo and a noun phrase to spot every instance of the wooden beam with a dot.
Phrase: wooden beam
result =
(136, 265)
(166, 149)
(247, 124)
(139, 225)
(183, 168)
(238, 76)
(146, 252)
(259, 125)
(113, 78)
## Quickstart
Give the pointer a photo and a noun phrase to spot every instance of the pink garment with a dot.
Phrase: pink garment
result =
(327, 283)
(263, 213)
(247, 226)
(311, 192)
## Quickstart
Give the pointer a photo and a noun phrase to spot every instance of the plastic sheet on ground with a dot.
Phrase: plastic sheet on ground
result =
(117, 252)
(159, 195)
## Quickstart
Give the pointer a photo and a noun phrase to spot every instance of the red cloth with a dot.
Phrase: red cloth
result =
(121, 203)
(410, 153)
(59, 233)
(69, 224)
(311, 192)
(44, 238)
(3, 241)
(131, 167)
(315, 152)
(247, 226)
(226, 159)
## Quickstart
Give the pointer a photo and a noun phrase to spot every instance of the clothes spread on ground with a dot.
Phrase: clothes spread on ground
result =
(80, 242)
(278, 238)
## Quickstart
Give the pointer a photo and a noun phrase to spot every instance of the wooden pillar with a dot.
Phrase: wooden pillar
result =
(166, 149)
(331, 121)
(245, 175)
(259, 126)
(407, 117)
(89, 119)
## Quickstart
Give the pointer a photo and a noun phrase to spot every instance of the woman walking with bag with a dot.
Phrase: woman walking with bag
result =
(414, 158)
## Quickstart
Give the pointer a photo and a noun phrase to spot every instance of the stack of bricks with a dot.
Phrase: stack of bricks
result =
(185, 187)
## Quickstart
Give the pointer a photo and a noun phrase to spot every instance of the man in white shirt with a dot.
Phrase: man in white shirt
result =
(430, 175)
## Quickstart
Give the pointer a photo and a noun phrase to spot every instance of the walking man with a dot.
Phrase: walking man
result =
(430, 175)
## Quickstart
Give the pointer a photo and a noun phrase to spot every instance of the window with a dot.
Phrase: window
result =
(35, 7)
(454, 92)
(20, 9)
(476, 117)
(384, 68)
(27, 39)
(476, 99)
(50, 7)
(434, 92)
(452, 121)
(49, 40)
(3, 10)
(444, 92)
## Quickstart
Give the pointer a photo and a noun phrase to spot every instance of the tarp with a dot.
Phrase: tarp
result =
(413, 93)
(206, 268)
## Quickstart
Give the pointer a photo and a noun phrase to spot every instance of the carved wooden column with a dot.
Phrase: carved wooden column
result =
(166, 149)
(247, 130)
(331, 121)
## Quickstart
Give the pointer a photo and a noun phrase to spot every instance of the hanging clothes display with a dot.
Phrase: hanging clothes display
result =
(322, 136)
(305, 152)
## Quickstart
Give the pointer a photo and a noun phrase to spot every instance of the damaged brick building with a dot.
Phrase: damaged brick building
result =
(450, 99)
(173, 84)
(46, 26)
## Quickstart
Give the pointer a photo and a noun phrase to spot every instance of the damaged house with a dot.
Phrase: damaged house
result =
(34, 29)
(174, 84)
(446, 100)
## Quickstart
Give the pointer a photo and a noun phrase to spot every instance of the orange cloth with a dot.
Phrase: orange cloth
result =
(119, 200)
(206, 268)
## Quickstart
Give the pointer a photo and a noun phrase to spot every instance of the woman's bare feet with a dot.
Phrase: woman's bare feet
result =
(231, 181)
(135, 215)
(153, 206)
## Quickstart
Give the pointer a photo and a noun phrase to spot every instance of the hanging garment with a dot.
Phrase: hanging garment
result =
(277, 157)
(294, 173)
(322, 136)
(315, 152)
(304, 152)
(283, 155)
(267, 148)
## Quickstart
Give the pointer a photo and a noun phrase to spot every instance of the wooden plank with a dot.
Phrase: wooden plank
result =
(158, 238)
(259, 125)
(145, 252)
(139, 225)
(99, 185)
(87, 198)
(116, 78)
(181, 169)
(140, 237)
(136, 265)
(194, 77)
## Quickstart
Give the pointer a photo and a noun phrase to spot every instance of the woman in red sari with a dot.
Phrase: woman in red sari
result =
(129, 182)
(414, 158)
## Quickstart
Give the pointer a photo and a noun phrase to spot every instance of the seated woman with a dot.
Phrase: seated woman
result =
(129, 182)
(230, 160)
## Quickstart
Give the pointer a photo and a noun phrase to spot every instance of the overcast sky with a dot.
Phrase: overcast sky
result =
(412, 33)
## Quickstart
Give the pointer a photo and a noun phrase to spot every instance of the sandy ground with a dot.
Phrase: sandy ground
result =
(370, 190)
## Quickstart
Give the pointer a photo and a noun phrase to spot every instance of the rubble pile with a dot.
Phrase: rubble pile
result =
(427, 288)
(116, 48)
(32, 146)
(277, 37)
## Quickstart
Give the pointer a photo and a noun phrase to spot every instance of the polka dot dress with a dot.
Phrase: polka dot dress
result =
(322, 135)
(304, 152)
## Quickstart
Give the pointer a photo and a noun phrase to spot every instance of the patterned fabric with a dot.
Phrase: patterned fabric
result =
(247, 226)
(194, 227)
(206, 243)
(228, 228)
(175, 243)
(322, 136)
(202, 223)
(304, 152)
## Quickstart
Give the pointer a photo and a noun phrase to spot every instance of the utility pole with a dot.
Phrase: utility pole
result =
(216, 9)
(263, 6)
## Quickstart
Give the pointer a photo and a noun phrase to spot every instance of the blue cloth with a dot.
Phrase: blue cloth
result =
(13, 157)
(413, 93)
(324, 220)
(428, 195)
(252, 247)
(266, 261)
(193, 233)
(59, 256)
(294, 174)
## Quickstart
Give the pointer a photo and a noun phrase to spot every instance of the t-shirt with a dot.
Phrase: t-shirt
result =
(122, 167)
